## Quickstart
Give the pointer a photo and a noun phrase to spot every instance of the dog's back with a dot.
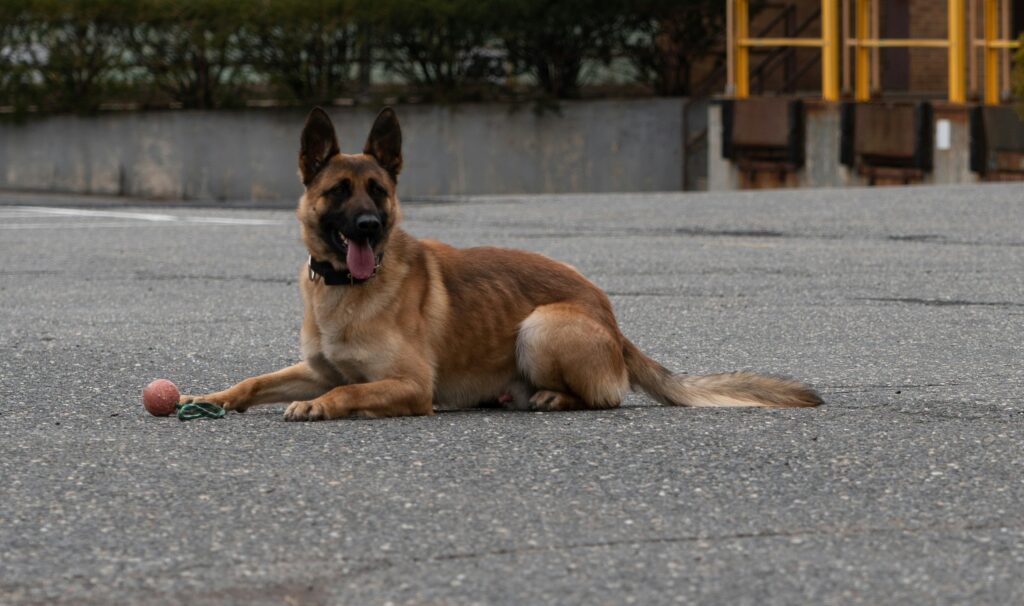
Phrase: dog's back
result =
(515, 316)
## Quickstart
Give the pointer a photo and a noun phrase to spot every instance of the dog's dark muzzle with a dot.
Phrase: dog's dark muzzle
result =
(338, 229)
(368, 226)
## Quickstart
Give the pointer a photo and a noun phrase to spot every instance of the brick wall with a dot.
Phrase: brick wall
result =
(928, 71)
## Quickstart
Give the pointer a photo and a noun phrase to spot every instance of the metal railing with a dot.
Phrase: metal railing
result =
(992, 47)
(740, 42)
(785, 15)
(865, 41)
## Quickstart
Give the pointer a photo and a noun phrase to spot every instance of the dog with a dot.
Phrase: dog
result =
(396, 326)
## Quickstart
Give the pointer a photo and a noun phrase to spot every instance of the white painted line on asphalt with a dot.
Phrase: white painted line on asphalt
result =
(96, 224)
(232, 221)
(108, 214)
(40, 211)
(7, 214)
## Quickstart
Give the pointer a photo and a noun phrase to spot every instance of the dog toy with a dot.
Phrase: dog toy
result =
(160, 398)
(198, 409)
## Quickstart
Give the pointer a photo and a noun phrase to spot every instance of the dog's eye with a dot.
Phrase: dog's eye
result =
(376, 189)
(342, 190)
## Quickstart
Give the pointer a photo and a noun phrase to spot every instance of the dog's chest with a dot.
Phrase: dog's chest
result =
(358, 349)
(356, 361)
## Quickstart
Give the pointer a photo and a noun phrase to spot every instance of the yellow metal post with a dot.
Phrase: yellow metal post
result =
(830, 50)
(991, 28)
(730, 48)
(862, 67)
(957, 52)
(972, 44)
(846, 79)
(742, 53)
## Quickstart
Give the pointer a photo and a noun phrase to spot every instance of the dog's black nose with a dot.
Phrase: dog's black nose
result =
(368, 225)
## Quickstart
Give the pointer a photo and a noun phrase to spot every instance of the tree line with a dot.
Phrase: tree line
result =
(84, 55)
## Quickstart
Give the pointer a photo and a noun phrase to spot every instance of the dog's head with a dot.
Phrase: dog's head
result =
(349, 208)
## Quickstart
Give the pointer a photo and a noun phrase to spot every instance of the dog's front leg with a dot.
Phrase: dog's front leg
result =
(295, 382)
(385, 398)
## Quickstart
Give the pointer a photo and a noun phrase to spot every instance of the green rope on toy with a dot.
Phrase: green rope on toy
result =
(197, 410)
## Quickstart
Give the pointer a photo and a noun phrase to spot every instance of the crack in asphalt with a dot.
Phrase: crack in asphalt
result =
(700, 232)
(739, 536)
(898, 385)
(362, 567)
(941, 302)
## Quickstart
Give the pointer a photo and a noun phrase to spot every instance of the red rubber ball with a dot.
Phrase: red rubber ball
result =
(160, 397)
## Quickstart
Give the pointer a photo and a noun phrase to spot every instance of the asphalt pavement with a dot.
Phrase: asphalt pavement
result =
(903, 306)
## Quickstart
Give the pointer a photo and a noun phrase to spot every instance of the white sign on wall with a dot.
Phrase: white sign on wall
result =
(942, 135)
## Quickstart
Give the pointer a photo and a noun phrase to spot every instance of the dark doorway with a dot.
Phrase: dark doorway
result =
(895, 62)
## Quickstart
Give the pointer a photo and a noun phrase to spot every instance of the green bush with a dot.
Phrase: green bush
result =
(194, 51)
(16, 86)
(63, 54)
(439, 47)
(84, 55)
(552, 41)
(307, 49)
(668, 36)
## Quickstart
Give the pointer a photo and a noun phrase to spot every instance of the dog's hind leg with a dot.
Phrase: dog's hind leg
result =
(573, 359)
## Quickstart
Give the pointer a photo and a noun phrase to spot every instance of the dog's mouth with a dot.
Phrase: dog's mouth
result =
(358, 254)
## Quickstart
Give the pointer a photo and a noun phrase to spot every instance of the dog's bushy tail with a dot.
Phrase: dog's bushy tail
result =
(726, 389)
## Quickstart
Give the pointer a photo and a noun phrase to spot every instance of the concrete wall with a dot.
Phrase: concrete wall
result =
(822, 167)
(592, 146)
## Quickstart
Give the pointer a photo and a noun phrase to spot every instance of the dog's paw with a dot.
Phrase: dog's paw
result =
(221, 401)
(310, 410)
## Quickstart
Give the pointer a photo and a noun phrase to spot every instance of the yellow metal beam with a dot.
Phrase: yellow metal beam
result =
(742, 52)
(749, 42)
(862, 66)
(900, 42)
(1000, 44)
(830, 50)
(957, 52)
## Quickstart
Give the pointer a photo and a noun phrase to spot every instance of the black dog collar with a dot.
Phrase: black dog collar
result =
(322, 270)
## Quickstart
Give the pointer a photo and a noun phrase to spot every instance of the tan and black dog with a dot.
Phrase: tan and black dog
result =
(395, 325)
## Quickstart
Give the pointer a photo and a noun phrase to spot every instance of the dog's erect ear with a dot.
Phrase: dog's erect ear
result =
(319, 144)
(385, 142)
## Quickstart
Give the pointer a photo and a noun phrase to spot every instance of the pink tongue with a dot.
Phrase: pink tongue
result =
(360, 260)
